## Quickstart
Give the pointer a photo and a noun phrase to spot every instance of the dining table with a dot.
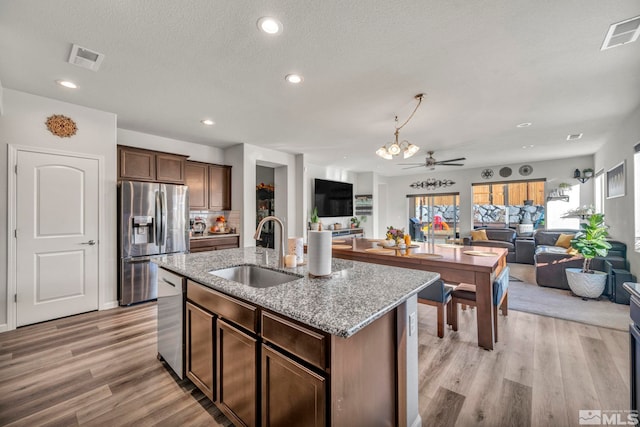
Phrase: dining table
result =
(455, 264)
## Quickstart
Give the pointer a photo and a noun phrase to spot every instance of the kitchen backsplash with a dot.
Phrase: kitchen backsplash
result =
(233, 217)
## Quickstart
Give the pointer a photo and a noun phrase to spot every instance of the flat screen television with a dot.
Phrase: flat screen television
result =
(333, 198)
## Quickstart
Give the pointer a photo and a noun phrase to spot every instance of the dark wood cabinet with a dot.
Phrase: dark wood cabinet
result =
(170, 168)
(200, 343)
(139, 165)
(214, 243)
(197, 178)
(146, 165)
(237, 374)
(291, 393)
(209, 186)
(220, 187)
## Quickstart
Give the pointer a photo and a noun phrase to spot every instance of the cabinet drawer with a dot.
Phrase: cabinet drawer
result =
(202, 243)
(226, 307)
(214, 243)
(304, 343)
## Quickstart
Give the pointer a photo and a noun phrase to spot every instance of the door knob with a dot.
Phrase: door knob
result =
(90, 243)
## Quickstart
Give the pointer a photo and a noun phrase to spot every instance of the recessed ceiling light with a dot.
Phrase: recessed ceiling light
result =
(574, 136)
(524, 125)
(270, 25)
(293, 78)
(67, 83)
(208, 122)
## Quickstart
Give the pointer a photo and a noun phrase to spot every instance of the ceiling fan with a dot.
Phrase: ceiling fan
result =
(430, 162)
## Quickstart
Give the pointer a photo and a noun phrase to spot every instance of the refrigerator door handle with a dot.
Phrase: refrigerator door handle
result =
(158, 220)
(163, 206)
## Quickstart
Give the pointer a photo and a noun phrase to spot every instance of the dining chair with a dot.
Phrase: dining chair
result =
(465, 293)
(438, 294)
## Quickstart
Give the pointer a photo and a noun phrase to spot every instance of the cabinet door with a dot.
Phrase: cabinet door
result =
(170, 168)
(197, 178)
(237, 371)
(220, 187)
(200, 341)
(291, 393)
(139, 165)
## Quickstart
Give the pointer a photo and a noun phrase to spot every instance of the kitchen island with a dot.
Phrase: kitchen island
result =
(339, 350)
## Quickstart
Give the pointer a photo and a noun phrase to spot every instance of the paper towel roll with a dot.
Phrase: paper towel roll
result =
(319, 253)
(296, 247)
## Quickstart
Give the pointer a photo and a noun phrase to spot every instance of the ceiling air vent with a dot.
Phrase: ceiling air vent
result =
(85, 58)
(574, 136)
(622, 33)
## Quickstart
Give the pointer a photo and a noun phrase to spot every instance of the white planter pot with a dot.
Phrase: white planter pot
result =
(315, 226)
(586, 284)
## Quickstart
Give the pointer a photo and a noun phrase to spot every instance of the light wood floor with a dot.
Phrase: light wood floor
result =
(101, 369)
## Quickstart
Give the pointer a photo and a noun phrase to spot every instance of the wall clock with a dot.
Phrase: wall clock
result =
(525, 170)
(61, 126)
(505, 172)
(487, 173)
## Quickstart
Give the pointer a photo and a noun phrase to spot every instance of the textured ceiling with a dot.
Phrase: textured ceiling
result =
(484, 67)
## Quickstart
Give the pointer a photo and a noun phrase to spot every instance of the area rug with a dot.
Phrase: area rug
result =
(525, 295)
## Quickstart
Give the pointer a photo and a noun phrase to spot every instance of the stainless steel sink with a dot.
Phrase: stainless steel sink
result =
(255, 276)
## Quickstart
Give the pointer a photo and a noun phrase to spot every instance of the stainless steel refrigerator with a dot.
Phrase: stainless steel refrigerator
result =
(153, 220)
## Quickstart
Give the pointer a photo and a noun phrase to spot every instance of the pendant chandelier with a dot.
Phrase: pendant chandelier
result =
(407, 149)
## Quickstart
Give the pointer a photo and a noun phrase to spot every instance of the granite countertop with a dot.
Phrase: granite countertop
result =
(633, 288)
(353, 296)
(213, 236)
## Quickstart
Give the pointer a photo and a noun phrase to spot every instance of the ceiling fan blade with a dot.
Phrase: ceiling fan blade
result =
(411, 164)
(450, 164)
(413, 167)
(453, 160)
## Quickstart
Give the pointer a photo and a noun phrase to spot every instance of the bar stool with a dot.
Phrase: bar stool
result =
(438, 294)
(465, 293)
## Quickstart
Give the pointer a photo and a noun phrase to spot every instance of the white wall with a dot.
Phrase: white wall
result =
(244, 158)
(22, 123)
(332, 174)
(555, 171)
(196, 152)
(619, 212)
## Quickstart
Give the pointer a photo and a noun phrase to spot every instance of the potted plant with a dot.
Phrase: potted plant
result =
(588, 172)
(589, 242)
(563, 187)
(315, 221)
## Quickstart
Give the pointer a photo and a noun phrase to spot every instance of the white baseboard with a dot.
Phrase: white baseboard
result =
(417, 422)
(109, 305)
(4, 327)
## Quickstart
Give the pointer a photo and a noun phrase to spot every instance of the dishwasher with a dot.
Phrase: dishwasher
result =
(171, 303)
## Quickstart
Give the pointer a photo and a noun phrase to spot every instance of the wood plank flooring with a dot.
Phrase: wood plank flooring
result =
(100, 369)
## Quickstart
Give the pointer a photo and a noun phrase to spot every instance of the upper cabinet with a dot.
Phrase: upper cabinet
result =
(146, 165)
(220, 187)
(209, 186)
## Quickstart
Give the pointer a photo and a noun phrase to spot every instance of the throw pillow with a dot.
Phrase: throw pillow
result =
(479, 235)
(564, 240)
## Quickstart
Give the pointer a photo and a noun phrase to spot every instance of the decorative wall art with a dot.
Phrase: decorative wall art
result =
(364, 204)
(432, 183)
(616, 181)
(505, 172)
(61, 126)
(487, 173)
(525, 170)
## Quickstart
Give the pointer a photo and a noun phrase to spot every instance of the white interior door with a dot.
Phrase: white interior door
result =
(57, 236)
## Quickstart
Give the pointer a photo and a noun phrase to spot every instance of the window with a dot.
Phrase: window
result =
(507, 204)
(435, 217)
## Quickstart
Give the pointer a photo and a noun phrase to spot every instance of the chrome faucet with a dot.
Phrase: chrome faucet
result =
(282, 237)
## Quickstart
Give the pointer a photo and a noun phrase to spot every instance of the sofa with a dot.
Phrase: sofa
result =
(498, 238)
(551, 260)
